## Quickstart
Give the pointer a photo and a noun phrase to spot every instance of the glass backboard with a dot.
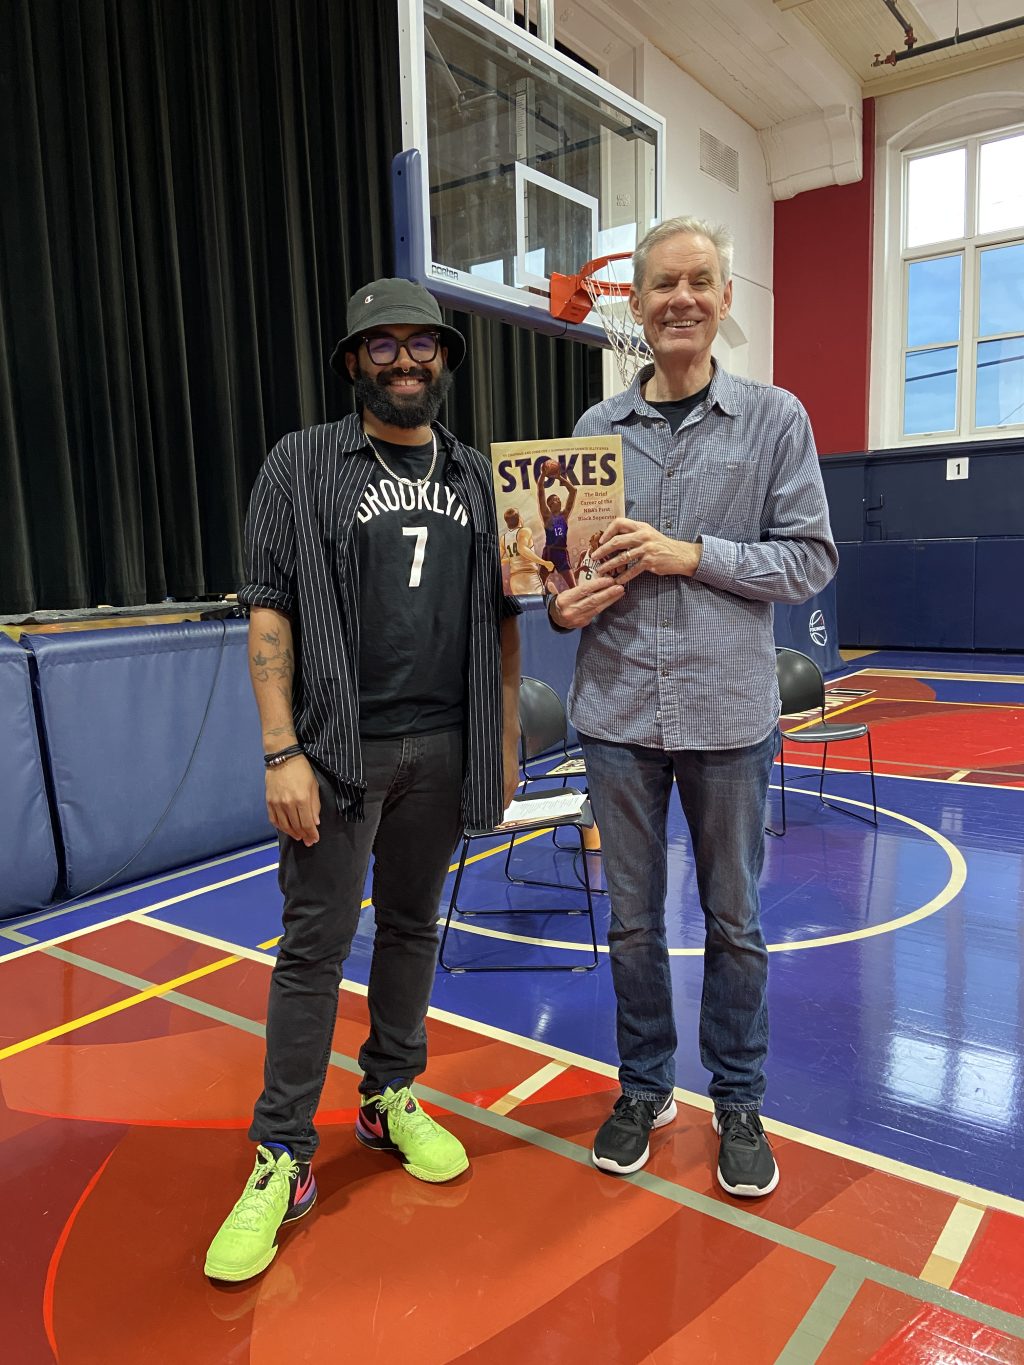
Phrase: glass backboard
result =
(518, 162)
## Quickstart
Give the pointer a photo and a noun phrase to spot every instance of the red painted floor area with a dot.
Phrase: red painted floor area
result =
(125, 1145)
(917, 732)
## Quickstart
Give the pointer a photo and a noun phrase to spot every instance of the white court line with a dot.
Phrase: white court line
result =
(528, 1087)
(958, 1189)
(207, 940)
(900, 777)
(954, 1242)
(136, 914)
(8, 931)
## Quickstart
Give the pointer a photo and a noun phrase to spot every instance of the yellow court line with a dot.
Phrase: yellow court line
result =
(959, 776)
(953, 1244)
(150, 993)
(839, 711)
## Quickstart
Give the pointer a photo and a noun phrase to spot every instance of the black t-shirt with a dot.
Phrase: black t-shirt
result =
(415, 543)
(676, 410)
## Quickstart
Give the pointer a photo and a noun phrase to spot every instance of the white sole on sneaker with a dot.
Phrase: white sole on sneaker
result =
(745, 1191)
(604, 1163)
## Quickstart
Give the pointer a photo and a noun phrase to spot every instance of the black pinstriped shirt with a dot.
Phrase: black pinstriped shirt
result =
(302, 559)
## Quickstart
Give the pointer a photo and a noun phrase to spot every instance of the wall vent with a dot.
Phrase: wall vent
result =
(719, 160)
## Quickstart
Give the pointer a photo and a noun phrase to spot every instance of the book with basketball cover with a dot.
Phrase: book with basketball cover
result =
(554, 499)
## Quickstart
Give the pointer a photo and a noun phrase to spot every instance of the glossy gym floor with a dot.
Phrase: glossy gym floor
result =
(131, 1050)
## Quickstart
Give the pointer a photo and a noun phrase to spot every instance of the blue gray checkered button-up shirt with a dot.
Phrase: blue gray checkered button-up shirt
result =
(689, 663)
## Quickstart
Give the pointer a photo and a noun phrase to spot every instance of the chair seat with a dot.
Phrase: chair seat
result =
(584, 817)
(825, 734)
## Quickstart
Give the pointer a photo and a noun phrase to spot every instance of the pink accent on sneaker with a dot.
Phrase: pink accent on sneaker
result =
(302, 1190)
(371, 1125)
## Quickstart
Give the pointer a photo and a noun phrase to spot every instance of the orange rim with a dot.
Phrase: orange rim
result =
(570, 298)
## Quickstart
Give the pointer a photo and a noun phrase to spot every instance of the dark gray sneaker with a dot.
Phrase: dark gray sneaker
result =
(746, 1166)
(622, 1145)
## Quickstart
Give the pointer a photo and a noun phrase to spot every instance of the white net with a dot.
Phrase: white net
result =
(612, 310)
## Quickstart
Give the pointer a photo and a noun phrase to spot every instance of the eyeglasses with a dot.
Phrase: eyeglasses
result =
(421, 347)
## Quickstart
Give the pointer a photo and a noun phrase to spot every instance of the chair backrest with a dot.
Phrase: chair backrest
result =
(542, 721)
(801, 686)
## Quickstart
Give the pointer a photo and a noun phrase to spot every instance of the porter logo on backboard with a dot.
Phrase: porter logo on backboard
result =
(816, 628)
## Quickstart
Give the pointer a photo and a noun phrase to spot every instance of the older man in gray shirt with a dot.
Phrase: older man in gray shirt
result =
(675, 683)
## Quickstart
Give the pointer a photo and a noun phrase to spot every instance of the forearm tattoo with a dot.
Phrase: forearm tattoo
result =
(274, 664)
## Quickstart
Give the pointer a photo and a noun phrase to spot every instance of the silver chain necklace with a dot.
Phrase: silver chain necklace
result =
(413, 483)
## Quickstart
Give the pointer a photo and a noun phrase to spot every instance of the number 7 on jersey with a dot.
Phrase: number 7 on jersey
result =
(420, 532)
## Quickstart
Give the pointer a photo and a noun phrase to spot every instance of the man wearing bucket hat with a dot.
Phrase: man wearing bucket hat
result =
(385, 662)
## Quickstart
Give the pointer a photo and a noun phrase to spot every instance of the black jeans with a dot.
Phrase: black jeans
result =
(413, 798)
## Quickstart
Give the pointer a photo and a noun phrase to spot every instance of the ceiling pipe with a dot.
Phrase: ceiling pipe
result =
(955, 41)
(908, 32)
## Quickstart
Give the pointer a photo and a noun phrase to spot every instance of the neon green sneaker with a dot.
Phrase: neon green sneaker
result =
(279, 1190)
(395, 1122)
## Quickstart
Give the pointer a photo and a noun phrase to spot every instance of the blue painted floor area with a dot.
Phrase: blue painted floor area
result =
(908, 1042)
(994, 693)
(58, 921)
(927, 661)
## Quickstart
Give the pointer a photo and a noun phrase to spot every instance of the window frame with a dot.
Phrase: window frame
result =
(891, 356)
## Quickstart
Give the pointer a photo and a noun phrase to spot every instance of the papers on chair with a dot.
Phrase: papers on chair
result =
(565, 804)
(570, 768)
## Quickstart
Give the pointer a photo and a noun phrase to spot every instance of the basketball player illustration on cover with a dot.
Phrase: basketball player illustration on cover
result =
(556, 523)
(517, 552)
(587, 566)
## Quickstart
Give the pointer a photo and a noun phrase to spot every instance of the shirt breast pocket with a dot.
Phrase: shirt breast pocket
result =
(727, 500)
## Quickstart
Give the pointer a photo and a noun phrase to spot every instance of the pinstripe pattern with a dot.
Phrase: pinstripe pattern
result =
(303, 560)
(689, 663)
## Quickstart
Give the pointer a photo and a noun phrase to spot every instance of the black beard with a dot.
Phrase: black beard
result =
(373, 392)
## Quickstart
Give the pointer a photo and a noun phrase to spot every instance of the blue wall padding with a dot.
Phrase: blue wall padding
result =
(926, 561)
(122, 710)
(29, 861)
(999, 595)
(811, 628)
(848, 590)
(943, 594)
(546, 654)
(957, 594)
(885, 610)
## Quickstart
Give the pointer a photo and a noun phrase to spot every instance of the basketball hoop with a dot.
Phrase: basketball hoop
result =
(596, 289)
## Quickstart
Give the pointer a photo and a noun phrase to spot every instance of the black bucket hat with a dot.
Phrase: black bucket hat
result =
(399, 303)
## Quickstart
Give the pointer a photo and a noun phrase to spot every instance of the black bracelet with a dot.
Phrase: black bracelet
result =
(282, 755)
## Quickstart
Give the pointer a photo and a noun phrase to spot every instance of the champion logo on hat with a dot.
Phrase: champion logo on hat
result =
(394, 303)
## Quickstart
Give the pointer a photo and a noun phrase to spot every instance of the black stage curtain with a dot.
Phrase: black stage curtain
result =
(191, 190)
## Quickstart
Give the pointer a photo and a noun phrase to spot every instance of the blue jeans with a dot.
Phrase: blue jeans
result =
(413, 822)
(722, 793)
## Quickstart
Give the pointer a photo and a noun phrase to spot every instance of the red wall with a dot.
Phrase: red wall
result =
(822, 281)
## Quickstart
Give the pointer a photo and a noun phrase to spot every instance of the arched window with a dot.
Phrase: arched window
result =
(953, 338)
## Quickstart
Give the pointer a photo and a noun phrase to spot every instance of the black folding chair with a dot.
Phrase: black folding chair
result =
(543, 725)
(544, 733)
(802, 689)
